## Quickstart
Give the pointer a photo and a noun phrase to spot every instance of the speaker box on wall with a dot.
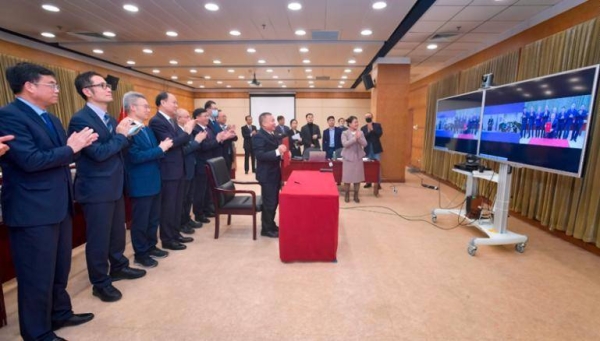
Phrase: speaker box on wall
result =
(113, 81)
(368, 81)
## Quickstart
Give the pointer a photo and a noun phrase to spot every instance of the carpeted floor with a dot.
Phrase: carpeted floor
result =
(395, 280)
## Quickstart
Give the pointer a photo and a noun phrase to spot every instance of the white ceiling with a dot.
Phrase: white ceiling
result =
(268, 26)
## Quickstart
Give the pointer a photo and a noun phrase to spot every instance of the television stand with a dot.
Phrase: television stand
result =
(494, 227)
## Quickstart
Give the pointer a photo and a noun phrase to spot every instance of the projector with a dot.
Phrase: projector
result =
(487, 80)
(254, 81)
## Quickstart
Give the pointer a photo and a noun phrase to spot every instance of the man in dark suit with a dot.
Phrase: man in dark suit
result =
(332, 138)
(248, 131)
(268, 150)
(172, 170)
(37, 200)
(227, 144)
(373, 132)
(99, 186)
(342, 123)
(281, 130)
(213, 112)
(189, 150)
(142, 168)
(310, 133)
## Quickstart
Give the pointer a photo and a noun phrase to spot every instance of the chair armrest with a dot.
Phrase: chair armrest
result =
(252, 193)
(245, 182)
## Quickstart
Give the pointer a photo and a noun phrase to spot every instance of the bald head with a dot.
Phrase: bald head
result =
(183, 116)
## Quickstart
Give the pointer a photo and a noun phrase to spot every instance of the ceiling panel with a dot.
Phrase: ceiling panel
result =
(441, 13)
(478, 13)
(495, 26)
(459, 26)
(519, 13)
(537, 2)
(426, 26)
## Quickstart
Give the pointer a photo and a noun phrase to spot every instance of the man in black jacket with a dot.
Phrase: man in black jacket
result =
(373, 132)
(310, 133)
(248, 131)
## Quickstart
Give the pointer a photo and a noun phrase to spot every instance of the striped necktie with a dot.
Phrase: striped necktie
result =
(107, 122)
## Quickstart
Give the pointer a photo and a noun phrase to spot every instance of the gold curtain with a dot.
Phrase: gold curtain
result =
(559, 202)
(69, 101)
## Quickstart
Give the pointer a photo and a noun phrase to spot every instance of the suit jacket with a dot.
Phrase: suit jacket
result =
(373, 138)
(209, 148)
(172, 165)
(142, 164)
(189, 157)
(294, 145)
(100, 173)
(337, 138)
(307, 137)
(353, 149)
(281, 134)
(268, 164)
(36, 187)
(247, 135)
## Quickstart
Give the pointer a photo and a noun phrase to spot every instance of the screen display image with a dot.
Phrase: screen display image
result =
(457, 123)
(542, 122)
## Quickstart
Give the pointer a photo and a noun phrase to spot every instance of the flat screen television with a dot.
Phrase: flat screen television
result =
(457, 123)
(542, 123)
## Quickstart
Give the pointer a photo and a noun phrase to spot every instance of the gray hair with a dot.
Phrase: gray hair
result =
(130, 98)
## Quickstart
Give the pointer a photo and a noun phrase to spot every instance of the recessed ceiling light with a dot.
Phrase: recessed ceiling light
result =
(269, 70)
(300, 32)
(251, 50)
(50, 8)
(216, 61)
(279, 82)
(173, 77)
(131, 62)
(311, 86)
(206, 77)
(306, 61)
(173, 62)
(235, 32)
(357, 50)
(339, 86)
(156, 71)
(366, 32)
(219, 82)
(48, 35)
(307, 70)
(211, 7)
(228, 86)
(193, 70)
(148, 51)
(190, 82)
(261, 61)
(294, 6)
(284, 86)
(382, 5)
(231, 70)
(249, 82)
(344, 77)
(202, 86)
(548, 92)
(275, 77)
(311, 82)
(309, 77)
(109, 34)
(351, 61)
(304, 49)
(347, 71)
(172, 34)
(578, 88)
(98, 51)
(130, 8)
(199, 50)
(241, 77)
(432, 46)
(342, 82)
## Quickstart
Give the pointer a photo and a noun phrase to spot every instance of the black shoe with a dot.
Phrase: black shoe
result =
(367, 186)
(203, 219)
(174, 246)
(254, 171)
(187, 229)
(146, 262)
(194, 224)
(269, 233)
(74, 320)
(58, 338)
(183, 239)
(276, 229)
(209, 215)
(158, 253)
(246, 172)
(127, 273)
(107, 294)
(378, 186)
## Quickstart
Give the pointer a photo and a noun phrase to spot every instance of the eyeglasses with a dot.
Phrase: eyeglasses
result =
(145, 106)
(104, 86)
(54, 86)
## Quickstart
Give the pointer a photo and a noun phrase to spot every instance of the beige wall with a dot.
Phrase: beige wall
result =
(237, 108)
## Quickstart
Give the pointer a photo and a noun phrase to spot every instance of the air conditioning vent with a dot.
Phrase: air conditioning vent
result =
(323, 78)
(325, 35)
(443, 36)
(89, 36)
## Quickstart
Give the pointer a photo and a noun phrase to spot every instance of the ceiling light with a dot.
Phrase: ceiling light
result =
(190, 82)
(156, 71)
(432, 46)
(347, 71)
(235, 33)
(216, 61)
(309, 77)
(261, 61)
(578, 88)
(306, 61)
(131, 62)
(300, 32)
(231, 70)
(211, 7)
(109, 34)
(357, 50)
(279, 82)
(339, 86)
(311, 82)
(199, 50)
(294, 6)
(173, 77)
(98, 51)
(275, 77)
(344, 77)
(284, 86)
(251, 50)
(202, 86)
(381, 5)
(366, 32)
(193, 70)
(303, 49)
(342, 82)
(548, 92)
(307, 70)
(173, 62)
(351, 61)
(172, 34)
(574, 79)
(269, 70)
(48, 35)
(147, 51)
(219, 82)
(206, 77)
(241, 77)
(130, 8)
(544, 86)
(311, 86)
(228, 86)
(51, 8)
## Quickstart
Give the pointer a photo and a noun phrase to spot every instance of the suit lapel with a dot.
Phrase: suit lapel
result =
(40, 122)
(168, 122)
(96, 119)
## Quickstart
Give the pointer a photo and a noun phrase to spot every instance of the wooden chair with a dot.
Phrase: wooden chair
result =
(226, 198)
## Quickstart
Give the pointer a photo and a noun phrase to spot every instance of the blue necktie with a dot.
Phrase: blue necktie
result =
(107, 122)
(51, 128)
(146, 135)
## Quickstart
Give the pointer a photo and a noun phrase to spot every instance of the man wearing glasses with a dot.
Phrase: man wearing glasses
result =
(37, 203)
(99, 185)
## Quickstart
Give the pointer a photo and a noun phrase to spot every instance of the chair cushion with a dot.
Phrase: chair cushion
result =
(243, 202)
(224, 198)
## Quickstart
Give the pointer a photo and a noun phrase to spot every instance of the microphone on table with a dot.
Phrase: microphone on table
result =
(430, 186)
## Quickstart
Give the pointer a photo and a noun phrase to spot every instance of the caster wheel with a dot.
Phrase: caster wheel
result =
(434, 219)
(472, 250)
(520, 247)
